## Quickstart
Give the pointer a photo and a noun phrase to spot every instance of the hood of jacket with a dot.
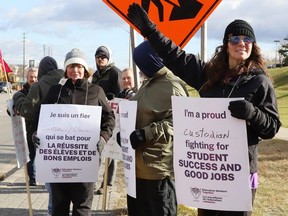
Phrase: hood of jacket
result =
(46, 64)
(110, 61)
(147, 59)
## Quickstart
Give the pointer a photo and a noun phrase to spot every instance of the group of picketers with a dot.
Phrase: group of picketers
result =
(236, 70)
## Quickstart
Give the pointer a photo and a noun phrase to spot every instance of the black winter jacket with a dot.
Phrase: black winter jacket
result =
(108, 79)
(255, 87)
(77, 94)
(30, 124)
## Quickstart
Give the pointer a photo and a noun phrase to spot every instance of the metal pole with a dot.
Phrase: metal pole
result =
(204, 42)
(276, 50)
(135, 69)
(203, 58)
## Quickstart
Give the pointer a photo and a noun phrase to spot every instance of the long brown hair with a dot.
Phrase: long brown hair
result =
(217, 69)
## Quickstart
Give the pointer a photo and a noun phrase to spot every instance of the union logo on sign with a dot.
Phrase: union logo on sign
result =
(177, 19)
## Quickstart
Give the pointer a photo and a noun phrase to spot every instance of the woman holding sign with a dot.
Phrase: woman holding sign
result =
(236, 70)
(76, 89)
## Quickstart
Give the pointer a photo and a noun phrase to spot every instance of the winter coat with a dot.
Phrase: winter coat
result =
(108, 78)
(154, 158)
(77, 93)
(30, 129)
(255, 87)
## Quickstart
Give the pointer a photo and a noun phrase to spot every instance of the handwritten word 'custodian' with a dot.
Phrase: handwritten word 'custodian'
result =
(207, 134)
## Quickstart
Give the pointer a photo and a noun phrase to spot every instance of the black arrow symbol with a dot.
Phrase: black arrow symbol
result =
(187, 9)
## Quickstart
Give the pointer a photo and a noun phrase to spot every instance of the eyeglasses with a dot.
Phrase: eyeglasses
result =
(234, 40)
(100, 56)
(75, 66)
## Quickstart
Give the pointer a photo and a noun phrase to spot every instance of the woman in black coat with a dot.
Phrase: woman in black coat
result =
(235, 70)
(76, 89)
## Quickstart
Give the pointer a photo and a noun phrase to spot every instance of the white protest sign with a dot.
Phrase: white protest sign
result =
(19, 136)
(128, 110)
(210, 155)
(68, 138)
(112, 149)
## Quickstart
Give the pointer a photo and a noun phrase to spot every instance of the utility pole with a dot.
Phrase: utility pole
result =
(23, 55)
(276, 50)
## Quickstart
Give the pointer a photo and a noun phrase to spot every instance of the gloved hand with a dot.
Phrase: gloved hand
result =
(242, 109)
(35, 140)
(140, 19)
(137, 137)
(110, 96)
(100, 145)
(118, 139)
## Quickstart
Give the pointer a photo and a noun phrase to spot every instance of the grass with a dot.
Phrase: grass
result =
(280, 77)
(271, 197)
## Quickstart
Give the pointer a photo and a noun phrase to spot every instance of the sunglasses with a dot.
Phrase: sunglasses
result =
(234, 40)
(100, 56)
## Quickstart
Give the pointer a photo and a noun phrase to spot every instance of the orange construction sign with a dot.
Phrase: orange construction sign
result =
(177, 19)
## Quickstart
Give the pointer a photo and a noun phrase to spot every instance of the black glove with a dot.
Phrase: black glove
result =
(110, 96)
(242, 109)
(140, 19)
(137, 137)
(100, 145)
(118, 139)
(35, 140)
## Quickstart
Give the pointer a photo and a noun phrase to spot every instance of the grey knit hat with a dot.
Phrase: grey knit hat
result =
(239, 27)
(75, 56)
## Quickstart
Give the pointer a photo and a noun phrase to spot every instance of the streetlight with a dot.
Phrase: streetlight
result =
(276, 50)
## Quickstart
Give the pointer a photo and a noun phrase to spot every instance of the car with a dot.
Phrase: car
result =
(4, 87)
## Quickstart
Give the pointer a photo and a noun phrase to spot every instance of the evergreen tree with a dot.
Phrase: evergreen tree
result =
(283, 51)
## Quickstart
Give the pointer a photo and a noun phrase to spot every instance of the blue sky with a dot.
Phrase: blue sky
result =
(61, 25)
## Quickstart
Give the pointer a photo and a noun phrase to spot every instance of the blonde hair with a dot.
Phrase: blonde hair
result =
(120, 77)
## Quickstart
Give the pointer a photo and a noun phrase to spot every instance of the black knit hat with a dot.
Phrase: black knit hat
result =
(103, 51)
(239, 27)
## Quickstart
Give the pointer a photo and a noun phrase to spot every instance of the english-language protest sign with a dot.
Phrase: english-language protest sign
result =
(112, 149)
(19, 136)
(128, 110)
(210, 155)
(68, 143)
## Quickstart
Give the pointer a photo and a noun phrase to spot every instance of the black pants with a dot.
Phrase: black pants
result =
(206, 212)
(80, 194)
(154, 198)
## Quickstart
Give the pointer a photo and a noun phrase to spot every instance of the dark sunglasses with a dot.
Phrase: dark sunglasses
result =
(234, 40)
(100, 56)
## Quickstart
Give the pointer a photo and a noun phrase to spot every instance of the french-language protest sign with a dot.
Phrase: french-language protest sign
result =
(210, 155)
(68, 143)
(128, 110)
(19, 136)
(112, 149)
